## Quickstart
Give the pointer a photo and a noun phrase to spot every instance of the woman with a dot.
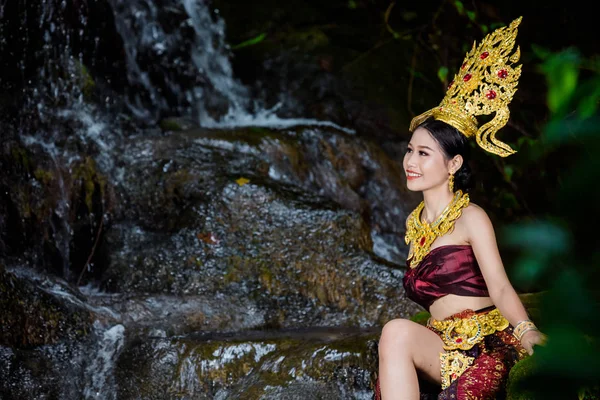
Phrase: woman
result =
(454, 263)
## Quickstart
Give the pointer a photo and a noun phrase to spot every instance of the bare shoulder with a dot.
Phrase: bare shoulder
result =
(474, 218)
(474, 211)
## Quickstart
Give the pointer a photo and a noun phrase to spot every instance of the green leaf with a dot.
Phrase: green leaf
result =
(562, 86)
(484, 29)
(352, 4)
(562, 72)
(459, 7)
(250, 42)
(421, 317)
(508, 172)
(443, 73)
(588, 104)
(471, 15)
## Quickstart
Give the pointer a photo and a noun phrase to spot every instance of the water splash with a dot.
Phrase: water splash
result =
(267, 118)
(100, 380)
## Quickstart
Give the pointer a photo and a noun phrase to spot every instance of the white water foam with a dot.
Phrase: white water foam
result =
(99, 375)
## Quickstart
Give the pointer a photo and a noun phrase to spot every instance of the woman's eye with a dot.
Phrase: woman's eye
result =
(408, 150)
(422, 153)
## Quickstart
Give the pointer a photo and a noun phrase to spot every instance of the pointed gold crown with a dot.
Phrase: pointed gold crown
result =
(485, 84)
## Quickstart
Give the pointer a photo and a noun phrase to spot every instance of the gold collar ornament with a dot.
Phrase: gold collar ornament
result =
(421, 234)
(485, 84)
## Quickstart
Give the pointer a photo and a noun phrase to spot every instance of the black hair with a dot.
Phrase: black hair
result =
(452, 143)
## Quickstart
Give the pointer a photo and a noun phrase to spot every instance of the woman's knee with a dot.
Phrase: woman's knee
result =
(396, 336)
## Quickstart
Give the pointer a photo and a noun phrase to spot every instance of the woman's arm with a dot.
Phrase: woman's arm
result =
(481, 235)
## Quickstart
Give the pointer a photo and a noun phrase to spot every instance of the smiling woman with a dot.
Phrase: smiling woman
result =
(478, 327)
(431, 145)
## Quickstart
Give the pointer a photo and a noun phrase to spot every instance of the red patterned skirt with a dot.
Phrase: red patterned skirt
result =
(475, 371)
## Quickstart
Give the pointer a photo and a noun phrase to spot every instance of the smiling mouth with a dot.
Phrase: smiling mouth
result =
(412, 175)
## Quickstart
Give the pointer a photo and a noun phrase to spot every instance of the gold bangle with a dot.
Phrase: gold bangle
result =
(527, 330)
(522, 327)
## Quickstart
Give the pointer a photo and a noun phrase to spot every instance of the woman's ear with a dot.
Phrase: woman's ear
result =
(455, 163)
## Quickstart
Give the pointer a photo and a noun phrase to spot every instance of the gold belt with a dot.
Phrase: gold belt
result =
(464, 333)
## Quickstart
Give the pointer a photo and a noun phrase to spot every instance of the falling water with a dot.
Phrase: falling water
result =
(61, 230)
(191, 71)
(99, 375)
(177, 63)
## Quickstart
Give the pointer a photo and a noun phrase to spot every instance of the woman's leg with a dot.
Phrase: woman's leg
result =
(405, 349)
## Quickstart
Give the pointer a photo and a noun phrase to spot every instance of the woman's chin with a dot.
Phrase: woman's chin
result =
(414, 187)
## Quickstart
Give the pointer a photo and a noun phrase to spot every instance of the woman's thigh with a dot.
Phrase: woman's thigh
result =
(404, 338)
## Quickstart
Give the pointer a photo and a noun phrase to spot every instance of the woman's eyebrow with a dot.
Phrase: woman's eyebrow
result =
(424, 147)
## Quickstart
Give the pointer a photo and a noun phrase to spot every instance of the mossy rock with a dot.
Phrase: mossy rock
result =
(518, 375)
(32, 317)
(250, 365)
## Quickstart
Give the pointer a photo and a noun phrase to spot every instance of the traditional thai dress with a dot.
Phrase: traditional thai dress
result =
(480, 347)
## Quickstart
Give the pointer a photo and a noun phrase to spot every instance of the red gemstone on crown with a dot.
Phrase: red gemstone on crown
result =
(467, 77)
(459, 340)
(484, 55)
(502, 74)
(463, 66)
(422, 241)
(450, 84)
(491, 95)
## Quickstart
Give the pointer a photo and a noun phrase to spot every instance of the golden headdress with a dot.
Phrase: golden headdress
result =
(485, 84)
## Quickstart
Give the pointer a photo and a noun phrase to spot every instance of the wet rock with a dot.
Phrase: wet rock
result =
(43, 372)
(173, 315)
(253, 365)
(51, 214)
(31, 316)
(207, 213)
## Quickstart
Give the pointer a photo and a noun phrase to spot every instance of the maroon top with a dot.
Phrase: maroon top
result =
(449, 269)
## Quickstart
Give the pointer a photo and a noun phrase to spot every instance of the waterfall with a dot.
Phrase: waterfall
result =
(190, 70)
(99, 375)
(177, 59)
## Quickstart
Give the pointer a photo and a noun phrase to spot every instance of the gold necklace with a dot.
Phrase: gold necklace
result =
(422, 234)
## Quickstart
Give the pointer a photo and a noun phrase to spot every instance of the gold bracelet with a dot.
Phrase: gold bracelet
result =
(522, 327)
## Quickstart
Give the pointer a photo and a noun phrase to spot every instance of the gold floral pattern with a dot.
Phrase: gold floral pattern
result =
(464, 333)
(453, 364)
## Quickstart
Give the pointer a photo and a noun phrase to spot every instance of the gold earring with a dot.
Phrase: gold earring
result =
(451, 183)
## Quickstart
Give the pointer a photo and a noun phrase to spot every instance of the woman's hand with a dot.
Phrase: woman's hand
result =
(531, 338)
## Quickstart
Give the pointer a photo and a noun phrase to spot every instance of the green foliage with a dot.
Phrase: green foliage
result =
(459, 7)
(557, 250)
(250, 42)
(420, 317)
(562, 72)
(443, 73)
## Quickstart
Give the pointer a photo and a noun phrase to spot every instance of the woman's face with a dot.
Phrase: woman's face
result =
(424, 163)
